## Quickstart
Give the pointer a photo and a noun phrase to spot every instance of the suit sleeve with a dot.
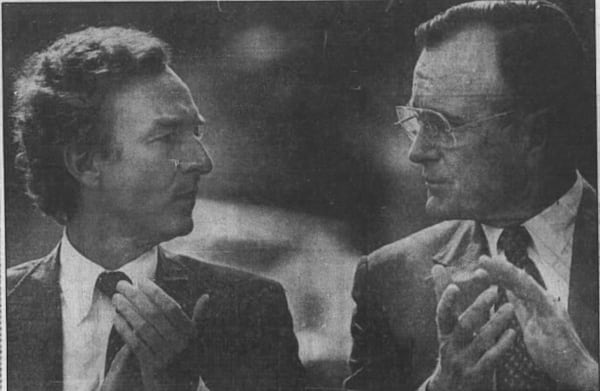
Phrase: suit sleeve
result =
(276, 361)
(266, 358)
(246, 344)
(376, 361)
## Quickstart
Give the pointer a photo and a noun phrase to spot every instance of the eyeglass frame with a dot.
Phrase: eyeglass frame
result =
(451, 130)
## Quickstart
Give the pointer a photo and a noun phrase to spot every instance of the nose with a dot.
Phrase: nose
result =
(423, 149)
(197, 158)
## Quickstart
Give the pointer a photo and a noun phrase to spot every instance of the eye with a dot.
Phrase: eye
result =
(166, 137)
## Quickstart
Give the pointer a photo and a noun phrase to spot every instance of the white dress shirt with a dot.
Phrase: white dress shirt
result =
(552, 235)
(87, 315)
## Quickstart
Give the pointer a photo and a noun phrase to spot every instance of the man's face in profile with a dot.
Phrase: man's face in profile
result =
(483, 172)
(154, 122)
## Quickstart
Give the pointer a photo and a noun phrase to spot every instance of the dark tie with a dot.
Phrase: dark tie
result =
(107, 284)
(516, 370)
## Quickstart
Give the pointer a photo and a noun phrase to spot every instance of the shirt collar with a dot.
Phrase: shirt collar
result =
(78, 276)
(552, 228)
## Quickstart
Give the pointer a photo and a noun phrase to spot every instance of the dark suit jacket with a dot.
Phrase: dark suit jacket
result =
(393, 327)
(247, 340)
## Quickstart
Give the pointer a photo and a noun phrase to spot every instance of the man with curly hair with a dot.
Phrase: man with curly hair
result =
(109, 140)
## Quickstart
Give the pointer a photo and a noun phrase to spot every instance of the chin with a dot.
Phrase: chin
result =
(444, 209)
(176, 227)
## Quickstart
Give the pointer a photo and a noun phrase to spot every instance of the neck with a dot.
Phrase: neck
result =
(537, 197)
(103, 241)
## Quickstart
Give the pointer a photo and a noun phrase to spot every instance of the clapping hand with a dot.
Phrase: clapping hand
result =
(548, 332)
(470, 343)
(155, 329)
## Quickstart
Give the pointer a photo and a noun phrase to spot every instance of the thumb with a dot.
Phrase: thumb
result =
(199, 309)
(522, 312)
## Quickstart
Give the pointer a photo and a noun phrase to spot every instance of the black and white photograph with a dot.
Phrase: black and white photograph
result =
(370, 195)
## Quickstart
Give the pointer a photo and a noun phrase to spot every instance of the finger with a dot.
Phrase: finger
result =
(522, 311)
(199, 309)
(141, 350)
(512, 278)
(476, 315)
(151, 312)
(489, 359)
(478, 279)
(118, 376)
(441, 280)
(471, 284)
(170, 308)
(122, 357)
(445, 316)
(493, 329)
(145, 331)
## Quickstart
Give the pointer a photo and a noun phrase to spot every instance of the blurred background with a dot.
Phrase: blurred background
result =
(309, 172)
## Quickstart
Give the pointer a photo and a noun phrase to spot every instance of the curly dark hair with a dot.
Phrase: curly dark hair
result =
(57, 99)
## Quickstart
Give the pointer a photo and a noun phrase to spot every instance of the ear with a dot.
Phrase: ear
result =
(82, 165)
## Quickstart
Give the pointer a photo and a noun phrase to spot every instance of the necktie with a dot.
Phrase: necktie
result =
(516, 371)
(107, 284)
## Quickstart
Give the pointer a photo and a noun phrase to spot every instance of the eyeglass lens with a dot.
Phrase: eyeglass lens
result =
(427, 123)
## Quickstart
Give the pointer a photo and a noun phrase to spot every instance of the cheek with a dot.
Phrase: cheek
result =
(479, 176)
(137, 181)
(490, 177)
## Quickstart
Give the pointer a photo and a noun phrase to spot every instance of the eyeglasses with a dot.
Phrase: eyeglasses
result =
(436, 126)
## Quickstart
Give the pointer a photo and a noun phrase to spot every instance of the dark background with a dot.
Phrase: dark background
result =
(299, 99)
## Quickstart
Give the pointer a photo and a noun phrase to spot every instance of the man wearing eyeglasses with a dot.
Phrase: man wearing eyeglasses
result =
(109, 139)
(503, 294)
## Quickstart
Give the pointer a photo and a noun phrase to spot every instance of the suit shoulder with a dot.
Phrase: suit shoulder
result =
(225, 276)
(423, 244)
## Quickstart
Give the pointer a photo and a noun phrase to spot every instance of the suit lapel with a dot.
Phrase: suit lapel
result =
(173, 277)
(583, 284)
(36, 336)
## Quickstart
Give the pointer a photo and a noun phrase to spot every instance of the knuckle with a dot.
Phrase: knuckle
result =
(464, 322)
(484, 343)
(118, 300)
(136, 346)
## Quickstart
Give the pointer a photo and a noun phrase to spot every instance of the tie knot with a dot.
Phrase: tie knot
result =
(514, 238)
(107, 282)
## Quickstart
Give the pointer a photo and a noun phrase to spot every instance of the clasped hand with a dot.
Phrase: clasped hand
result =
(470, 341)
(470, 345)
(155, 329)
(548, 331)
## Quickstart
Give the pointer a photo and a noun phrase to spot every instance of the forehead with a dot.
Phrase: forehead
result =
(461, 74)
(146, 98)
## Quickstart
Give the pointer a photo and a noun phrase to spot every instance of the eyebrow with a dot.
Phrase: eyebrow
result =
(415, 102)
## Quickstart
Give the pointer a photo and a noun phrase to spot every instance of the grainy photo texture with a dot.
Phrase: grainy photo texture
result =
(325, 195)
